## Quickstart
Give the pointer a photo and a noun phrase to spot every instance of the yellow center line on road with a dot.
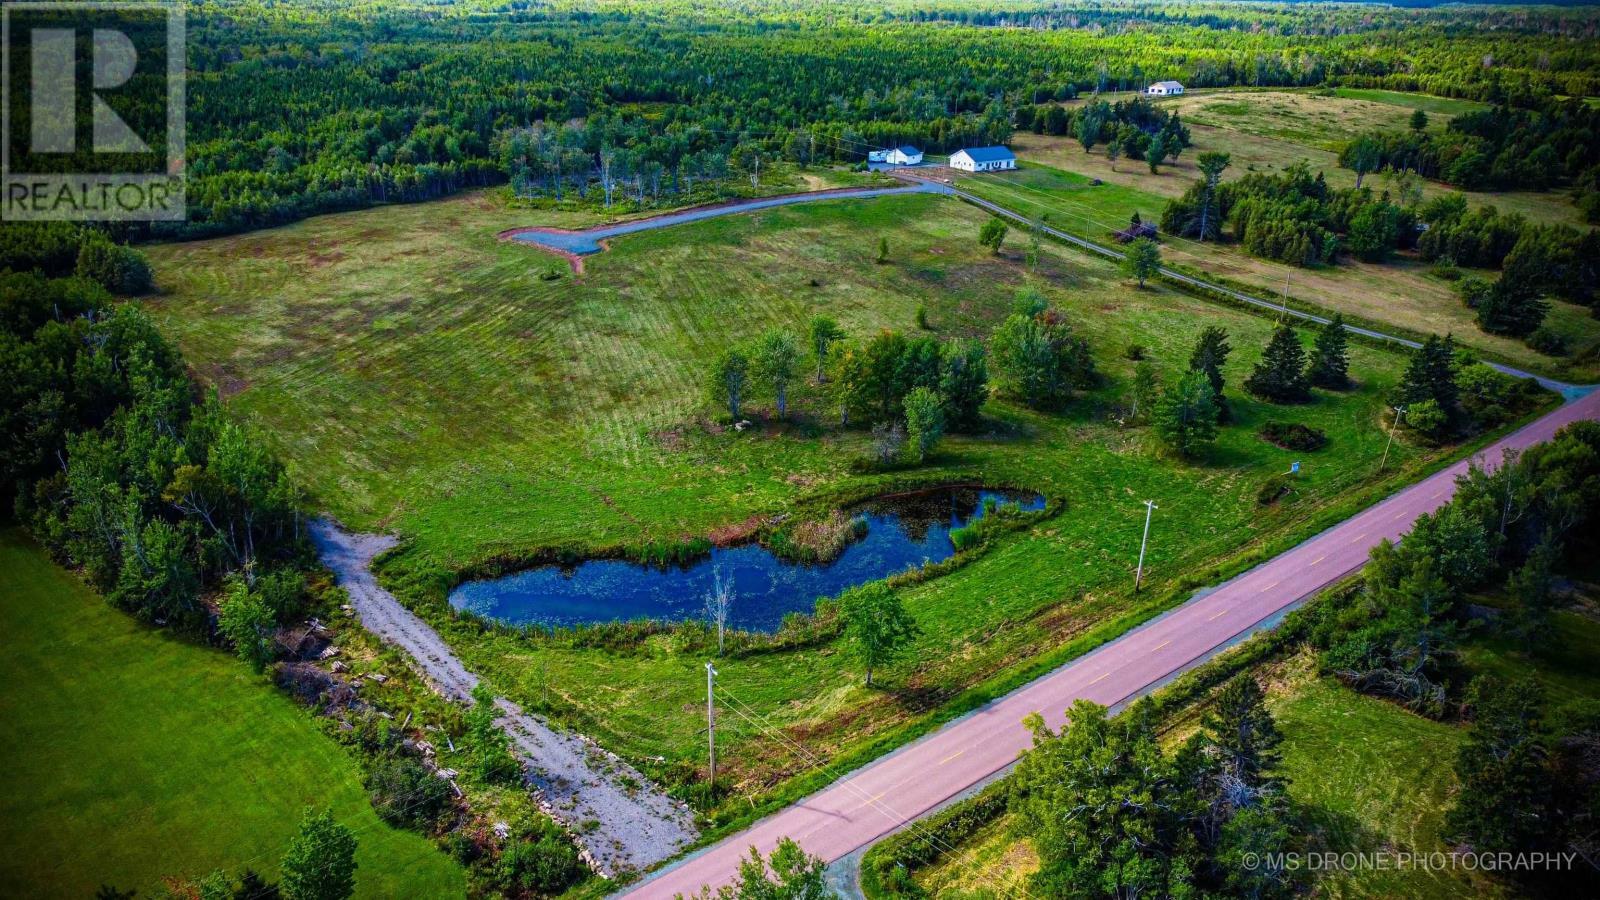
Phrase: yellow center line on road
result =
(951, 756)
(1359, 537)
(1435, 494)
(1159, 646)
(872, 800)
(1399, 515)
(1269, 587)
(1318, 559)
(1103, 676)
(1217, 614)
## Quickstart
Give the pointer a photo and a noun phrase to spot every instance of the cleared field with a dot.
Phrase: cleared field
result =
(1400, 293)
(1267, 130)
(128, 757)
(424, 378)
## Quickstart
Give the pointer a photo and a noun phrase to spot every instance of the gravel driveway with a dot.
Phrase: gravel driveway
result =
(576, 780)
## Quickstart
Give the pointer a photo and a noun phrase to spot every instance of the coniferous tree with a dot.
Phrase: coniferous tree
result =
(1431, 375)
(1209, 356)
(1186, 416)
(1330, 358)
(1280, 376)
(1244, 734)
(1504, 800)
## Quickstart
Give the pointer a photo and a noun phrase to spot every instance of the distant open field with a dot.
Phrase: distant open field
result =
(423, 378)
(128, 757)
(1055, 180)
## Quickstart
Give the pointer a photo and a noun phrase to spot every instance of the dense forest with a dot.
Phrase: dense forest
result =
(313, 107)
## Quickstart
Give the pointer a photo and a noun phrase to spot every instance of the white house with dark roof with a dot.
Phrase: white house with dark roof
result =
(1164, 89)
(904, 156)
(983, 159)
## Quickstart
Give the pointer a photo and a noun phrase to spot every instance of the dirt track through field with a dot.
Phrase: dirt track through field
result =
(574, 245)
(576, 780)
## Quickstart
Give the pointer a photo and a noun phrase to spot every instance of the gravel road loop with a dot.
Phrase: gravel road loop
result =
(576, 781)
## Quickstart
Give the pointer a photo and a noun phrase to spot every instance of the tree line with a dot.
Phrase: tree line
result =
(1527, 780)
(294, 111)
(1553, 144)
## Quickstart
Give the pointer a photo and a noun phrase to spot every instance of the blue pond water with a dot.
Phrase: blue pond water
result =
(584, 242)
(901, 532)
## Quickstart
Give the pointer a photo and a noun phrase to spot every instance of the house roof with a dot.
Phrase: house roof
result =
(1169, 85)
(909, 150)
(988, 154)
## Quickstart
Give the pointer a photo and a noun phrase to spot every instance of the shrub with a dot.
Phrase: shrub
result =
(407, 795)
(1428, 418)
(1548, 341)
(1134, 352)
(1272, 489)
(1293, 436)
(541, 862)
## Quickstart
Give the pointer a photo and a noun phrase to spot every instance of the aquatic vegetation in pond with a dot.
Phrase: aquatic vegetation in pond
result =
(901, 532)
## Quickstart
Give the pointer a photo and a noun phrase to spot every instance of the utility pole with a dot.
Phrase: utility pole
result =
(1138, 576)
(1399, 413)
(711, 728)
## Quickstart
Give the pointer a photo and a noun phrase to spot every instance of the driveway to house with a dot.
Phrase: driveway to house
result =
(574, 244)
(893, 791)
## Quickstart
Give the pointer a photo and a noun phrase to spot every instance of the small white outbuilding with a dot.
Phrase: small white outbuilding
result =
(904, 156)
(1164, 89)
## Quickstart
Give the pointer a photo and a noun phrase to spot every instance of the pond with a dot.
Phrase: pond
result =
(902, 531)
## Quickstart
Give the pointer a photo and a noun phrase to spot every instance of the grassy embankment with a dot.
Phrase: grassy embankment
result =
(129, 756)
(1266, 131)
(424, 379)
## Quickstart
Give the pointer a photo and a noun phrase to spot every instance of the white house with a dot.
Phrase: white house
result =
(904, 156)
(1164, 89)
(983, 159)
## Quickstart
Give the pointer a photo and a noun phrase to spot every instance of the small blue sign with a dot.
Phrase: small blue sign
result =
(1295, 469)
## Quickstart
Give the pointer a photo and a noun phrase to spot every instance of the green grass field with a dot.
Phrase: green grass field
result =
(422, 378)
(1400, 293)
(129, 757)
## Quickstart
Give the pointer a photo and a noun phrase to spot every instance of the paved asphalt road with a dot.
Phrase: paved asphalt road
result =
(882, 796)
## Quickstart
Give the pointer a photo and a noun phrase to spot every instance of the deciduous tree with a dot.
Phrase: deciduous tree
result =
(321, 862)
(877, 627)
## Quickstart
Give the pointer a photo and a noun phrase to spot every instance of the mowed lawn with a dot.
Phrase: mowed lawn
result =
(128, 757)
(1399, 293)
(423, 378)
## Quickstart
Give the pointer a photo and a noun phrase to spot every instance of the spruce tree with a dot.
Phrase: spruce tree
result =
(1505, 787)
(1209, 356)
(1280, 376)
(1244, 734)
(1330, 359)
(1186, 416)
(1431, 375)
